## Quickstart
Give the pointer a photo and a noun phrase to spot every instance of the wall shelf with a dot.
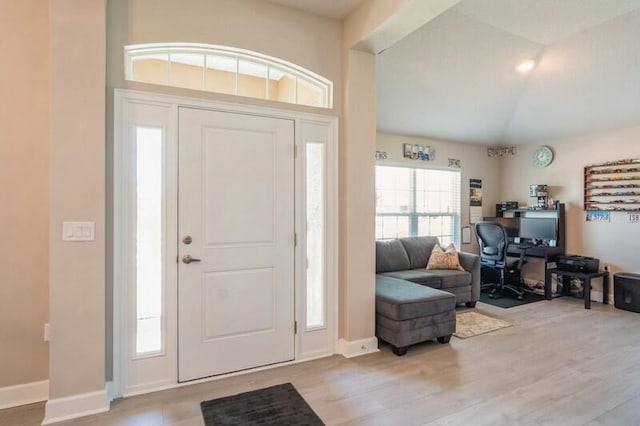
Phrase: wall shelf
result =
(600, 179)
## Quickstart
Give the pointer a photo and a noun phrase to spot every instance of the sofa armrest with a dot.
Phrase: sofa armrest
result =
(471, 263)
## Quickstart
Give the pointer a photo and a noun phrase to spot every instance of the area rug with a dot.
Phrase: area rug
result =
(510, 302)
(469, 324)
(275, 405)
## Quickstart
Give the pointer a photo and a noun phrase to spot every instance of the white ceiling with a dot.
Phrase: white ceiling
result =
(336, 9)
(454, 78)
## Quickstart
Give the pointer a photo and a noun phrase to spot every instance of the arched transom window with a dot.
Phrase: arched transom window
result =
(227, 70)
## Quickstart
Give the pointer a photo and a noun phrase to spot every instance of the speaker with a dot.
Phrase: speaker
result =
(626, 291)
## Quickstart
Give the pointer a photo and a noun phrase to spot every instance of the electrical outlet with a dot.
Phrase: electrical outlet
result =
(78, 231)
(47, 332)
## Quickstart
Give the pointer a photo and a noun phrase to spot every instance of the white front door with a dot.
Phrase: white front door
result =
(236, 222)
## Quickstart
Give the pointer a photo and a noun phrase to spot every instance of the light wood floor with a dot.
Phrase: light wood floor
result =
(557, 365)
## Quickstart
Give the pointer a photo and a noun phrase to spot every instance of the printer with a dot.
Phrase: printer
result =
(575, 263)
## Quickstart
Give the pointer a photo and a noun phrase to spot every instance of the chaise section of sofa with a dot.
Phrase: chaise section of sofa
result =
(408, 313)
(414, 304)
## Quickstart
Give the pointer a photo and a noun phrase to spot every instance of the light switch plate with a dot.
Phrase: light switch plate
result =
(78, 231)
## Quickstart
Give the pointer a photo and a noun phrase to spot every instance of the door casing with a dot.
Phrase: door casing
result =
(131, 375)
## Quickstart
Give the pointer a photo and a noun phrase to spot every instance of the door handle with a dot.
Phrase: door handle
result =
(188, 259)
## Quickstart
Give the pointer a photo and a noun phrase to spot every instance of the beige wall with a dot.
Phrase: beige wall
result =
(24, 170)
(616, 244)
(77, 192)
(475, 164)
(357, 199)
(374, 25)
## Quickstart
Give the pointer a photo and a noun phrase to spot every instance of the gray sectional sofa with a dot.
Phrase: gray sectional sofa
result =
(414, 304)
(406, 259)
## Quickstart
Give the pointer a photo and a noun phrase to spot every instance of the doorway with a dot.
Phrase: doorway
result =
(238, 267)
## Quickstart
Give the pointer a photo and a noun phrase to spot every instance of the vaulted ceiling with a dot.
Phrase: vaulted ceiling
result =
(455, 77)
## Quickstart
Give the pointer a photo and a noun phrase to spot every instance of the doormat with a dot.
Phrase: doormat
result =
(275, 405)
(509, 302)
(469, 324)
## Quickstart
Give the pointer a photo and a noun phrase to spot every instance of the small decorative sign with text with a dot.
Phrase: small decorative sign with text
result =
(598, 216)
(634, 217)
(419, 152)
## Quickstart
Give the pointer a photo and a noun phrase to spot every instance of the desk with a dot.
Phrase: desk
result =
(586, 277)
(549, 254)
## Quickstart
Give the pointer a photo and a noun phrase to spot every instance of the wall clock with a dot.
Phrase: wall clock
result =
(542, 156)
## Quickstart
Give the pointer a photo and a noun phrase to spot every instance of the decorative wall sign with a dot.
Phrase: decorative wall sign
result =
(454, 163)
(501, 152)
(419, 152)
(475, 200)
(475, 192)
(381, 155)
(598, 216)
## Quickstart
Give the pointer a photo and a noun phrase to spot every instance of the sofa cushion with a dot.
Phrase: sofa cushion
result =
(415, 330)
(451, 278)
(391, 256)
(402, 300)
(418, 276)
(418, 249)
(441, 259)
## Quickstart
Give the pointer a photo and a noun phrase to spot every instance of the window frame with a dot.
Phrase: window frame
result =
(414, 215)
(131, 52)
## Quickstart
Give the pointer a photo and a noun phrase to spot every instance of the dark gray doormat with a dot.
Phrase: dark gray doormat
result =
(508, 301)
(275, 405)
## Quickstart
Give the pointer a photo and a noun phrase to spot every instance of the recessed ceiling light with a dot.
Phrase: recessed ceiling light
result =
(526, 66)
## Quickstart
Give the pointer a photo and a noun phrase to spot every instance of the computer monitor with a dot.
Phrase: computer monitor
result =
(510, 224)
(538, 228)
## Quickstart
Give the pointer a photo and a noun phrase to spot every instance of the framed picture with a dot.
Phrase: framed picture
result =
(419, 152)
(408, 148)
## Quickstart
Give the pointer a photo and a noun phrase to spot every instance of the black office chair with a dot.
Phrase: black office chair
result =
(493, 243)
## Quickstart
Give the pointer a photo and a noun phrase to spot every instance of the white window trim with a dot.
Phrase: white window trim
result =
(134, 50)
(458, 226)
(160, 372)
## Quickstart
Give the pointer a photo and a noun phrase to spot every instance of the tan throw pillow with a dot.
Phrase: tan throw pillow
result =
(444, 259)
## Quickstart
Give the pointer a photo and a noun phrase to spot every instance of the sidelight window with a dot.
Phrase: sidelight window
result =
(147, 239)
(315, 247)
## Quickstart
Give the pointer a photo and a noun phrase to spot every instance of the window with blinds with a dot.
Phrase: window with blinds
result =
(418, 202)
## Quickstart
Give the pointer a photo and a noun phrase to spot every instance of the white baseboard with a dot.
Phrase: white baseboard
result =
(28, 393)
(350, 349)
(596, 296)
(71, 407)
